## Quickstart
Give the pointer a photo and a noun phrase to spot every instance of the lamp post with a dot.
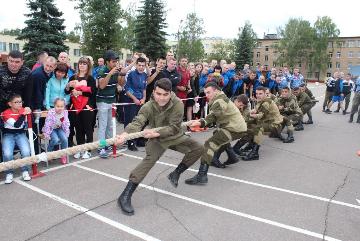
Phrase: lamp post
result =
(178, 42)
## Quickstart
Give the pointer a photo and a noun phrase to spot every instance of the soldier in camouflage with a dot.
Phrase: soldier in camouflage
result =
(305, 103)
(289, 109)
(231, 126)
(163, 110)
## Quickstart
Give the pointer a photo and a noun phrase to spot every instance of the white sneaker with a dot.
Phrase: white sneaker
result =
(9, 178)
(77, 155)
(26, 176)
(86, 155)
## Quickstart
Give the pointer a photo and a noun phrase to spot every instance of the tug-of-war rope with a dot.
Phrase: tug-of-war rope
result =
(45, 156)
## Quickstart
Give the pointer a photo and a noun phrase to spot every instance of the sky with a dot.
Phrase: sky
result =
(221, 18)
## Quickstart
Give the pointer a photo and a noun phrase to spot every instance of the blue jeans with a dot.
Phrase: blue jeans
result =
(105, 120)
(8, 145)
(58, 137)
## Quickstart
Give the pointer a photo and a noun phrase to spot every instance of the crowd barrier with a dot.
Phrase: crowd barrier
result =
(36, 173)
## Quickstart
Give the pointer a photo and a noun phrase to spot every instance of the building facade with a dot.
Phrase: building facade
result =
(344, 56)
(9, 43)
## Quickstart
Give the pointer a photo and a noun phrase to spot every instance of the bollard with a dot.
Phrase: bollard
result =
(35, 172)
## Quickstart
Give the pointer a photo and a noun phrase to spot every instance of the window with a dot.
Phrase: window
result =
(3, 46)
(266, 58)
(329, 65)
(330, 54)
(266, 48)
(257, 54)
(258, 45)
(266, 67)
(338, 55)
(309, 75)
(13, 46)
(330, 45)
(317, 75)
(337, 65)
(351, 43)
(77, 52)
(328, 74)
(274, 64)
(310, 65)
(299, 65)
(350, 54)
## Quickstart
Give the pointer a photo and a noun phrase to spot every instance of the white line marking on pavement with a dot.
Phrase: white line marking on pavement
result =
(219, 208)
(86, 211)
(358, 201)
(263, 186)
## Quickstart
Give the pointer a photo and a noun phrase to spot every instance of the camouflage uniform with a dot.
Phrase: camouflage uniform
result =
(231, 125)
(305, 103)
(291, 111)
(171, 136)
(268, 119)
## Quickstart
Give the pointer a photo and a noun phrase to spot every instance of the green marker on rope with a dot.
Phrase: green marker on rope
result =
(102, 143)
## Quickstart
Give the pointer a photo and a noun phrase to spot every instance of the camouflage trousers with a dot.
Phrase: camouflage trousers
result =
(220, 138)
(256, 133)
(192, 150)
(306, 108)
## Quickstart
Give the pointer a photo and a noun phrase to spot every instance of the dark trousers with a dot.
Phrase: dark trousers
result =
(83, 122)
(328, 98)
(130, 111)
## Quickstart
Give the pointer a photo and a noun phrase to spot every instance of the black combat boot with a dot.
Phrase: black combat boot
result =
(290, 138)
(131, 145)
(201, 177)
(240, 143)
(351, 118)
(215, 160)
(299, 126)
(245, 151)
(174, 176)
(253, 154)
(232, 158)
(124, 200)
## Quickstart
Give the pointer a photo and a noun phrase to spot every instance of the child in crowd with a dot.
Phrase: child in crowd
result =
(14, 120)
(55, 87)
(57, 127)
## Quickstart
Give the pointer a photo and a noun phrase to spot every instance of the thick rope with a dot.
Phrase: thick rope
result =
(69, 151)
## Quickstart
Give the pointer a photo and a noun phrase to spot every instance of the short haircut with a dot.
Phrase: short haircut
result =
(163, 83)
(261, 88)
(14, 96)
(217, 67)
(141, 60)
(253, 71)
(59, 99)
(161, 57)
(16, 54)
(213, 85)
(172, 59)
(296, 89)
(41, 53)
(302, 85)
(286, 88)
(242, 98)
(61, 67)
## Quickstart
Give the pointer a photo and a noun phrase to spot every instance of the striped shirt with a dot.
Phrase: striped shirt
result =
(108, 94)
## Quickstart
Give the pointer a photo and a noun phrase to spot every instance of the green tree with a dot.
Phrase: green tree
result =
(325, 30)
(12, 32)
(244, 45)
(100, 24)
(189, 37)
(149, 29)
(44, 30)
(222, 50)
(296, 42)
(73, 37)
(127, 35)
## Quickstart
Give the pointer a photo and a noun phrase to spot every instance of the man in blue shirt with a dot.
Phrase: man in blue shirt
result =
(135, 89)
